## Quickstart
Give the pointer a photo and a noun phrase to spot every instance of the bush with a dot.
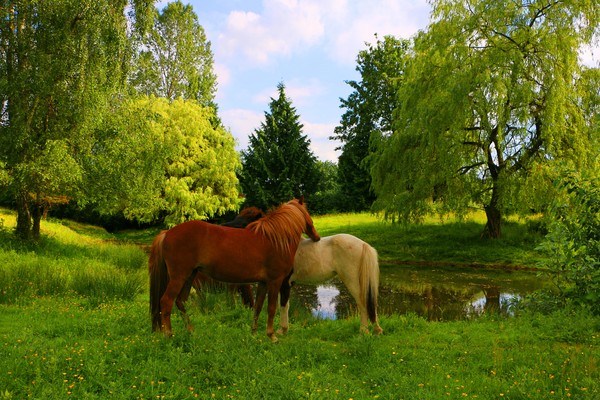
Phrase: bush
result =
(573, 240)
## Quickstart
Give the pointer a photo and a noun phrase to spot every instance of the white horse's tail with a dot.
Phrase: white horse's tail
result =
(369, 280)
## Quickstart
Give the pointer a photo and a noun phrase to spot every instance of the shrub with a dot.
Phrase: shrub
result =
(573, 240)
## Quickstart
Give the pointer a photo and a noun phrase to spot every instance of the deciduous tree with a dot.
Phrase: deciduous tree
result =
(491, 99)
(60, 63)
(161, 159)
(174, 58)
(369, 110)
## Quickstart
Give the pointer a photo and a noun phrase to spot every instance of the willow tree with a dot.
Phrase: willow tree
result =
(60, 63)
(491, 99)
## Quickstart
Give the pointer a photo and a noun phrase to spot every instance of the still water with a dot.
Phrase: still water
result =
(435, 293)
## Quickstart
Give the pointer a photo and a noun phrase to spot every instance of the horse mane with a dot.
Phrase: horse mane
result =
(283, 226)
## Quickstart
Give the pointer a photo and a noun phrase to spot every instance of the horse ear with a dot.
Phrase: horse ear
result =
(301, 199)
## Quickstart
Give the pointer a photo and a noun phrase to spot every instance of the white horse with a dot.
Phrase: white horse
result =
(352, 260)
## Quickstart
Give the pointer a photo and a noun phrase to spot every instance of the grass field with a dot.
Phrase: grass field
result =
(74, 323)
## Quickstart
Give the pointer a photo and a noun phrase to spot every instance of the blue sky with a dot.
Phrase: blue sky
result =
(309, 45)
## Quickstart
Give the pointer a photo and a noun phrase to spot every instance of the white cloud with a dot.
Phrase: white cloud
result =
(241, 123)
(322, 147)
(298, 91)
(223, 75)
(285, 27)
(282, 27)
(365, 19)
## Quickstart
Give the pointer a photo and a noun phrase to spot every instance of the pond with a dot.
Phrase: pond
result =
(437, 293)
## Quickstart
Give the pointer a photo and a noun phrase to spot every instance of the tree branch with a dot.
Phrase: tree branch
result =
(464, 170)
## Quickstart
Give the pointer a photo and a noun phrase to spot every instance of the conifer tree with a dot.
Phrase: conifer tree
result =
(278, 164)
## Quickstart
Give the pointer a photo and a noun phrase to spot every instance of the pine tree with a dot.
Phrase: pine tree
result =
(278, 164)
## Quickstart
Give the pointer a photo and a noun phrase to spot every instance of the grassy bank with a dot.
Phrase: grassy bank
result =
(74, 323)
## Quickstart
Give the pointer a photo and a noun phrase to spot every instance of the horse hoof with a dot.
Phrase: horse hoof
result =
(274, 339)
(282, 331)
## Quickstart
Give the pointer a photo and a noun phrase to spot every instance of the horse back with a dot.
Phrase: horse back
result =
(224, 253)
(333, 255)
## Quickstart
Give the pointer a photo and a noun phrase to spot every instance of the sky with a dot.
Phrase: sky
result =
(309, 45)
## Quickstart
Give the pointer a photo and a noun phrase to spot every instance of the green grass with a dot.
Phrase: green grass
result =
(449, 240)
(57, 347)
(74, 323)
(82, 260)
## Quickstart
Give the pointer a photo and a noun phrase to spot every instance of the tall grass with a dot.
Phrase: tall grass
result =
(65, 261)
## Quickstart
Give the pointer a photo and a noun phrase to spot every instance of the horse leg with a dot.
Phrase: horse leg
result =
(284, 302)
(166, 304)
(284, 319)
(246, 295)
(197, 284)
(378, 330)
(261, 292)
(354, 290)
(273, 290)
(364, 317)
(182, 298)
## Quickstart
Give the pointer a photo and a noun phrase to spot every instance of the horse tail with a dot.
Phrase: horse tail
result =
(158, 279)
(369, 280)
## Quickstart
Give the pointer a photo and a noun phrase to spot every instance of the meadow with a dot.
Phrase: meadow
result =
(74, 323)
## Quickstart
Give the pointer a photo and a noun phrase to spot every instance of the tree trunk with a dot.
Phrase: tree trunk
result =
(492, 228)
(37, 213)
(23, 229)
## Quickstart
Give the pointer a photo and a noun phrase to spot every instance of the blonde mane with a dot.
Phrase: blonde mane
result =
(284, 226)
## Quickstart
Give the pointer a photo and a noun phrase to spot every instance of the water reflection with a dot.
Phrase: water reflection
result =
(436, 294)
(326, 302)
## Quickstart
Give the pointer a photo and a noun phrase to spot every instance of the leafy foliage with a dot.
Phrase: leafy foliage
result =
(167, 160)
(572, 245)
(174, 58)
(201, 177)
(278, 164)
(489, 100)
(60, 62)
(125, 172)
(328, 198)
(369, 110)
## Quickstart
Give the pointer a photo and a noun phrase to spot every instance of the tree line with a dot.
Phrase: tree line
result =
(110, 106)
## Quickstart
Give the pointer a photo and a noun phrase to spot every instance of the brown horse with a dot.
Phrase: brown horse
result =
(263, 252)
(202, 281)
